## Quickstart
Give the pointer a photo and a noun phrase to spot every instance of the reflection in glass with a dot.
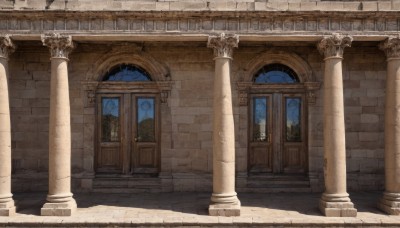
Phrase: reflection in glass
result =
(110, 119)
(127, 73)
(145, 120)
(293, 119)
(260, 119)
(276, 73)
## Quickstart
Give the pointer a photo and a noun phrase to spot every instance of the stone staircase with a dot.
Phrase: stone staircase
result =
(276, 183)
(127, 184)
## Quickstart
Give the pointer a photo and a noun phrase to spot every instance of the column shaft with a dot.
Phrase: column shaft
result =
(59, 199)
(334, 130)
(59, 134)
(223, 135)
(390, 202)
(224, 201)
(335, 201)
(7, 206)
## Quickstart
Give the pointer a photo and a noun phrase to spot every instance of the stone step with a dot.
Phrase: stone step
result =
(273, 190)
(126, 185)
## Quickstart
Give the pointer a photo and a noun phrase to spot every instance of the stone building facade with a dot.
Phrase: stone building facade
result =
(241, 96)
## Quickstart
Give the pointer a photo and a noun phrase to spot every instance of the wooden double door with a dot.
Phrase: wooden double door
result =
(277, 134)
(128, 133)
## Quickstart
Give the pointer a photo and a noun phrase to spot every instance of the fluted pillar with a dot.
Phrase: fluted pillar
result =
(59, 199)
(224, 201)
(7, 206)
(390, 202)
(335, 201)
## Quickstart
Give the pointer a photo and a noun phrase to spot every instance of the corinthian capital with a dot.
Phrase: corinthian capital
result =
(60, 45)
(333, 46)
(6, 46)
(223, 44)
(391, 46)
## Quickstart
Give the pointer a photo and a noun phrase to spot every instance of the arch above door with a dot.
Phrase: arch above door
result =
(127, 54)
(307, 82)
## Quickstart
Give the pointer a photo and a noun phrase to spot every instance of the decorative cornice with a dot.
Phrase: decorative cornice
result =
(60, 45)
(223, 44)
(333, 46)
(7, 47)
(391, 47)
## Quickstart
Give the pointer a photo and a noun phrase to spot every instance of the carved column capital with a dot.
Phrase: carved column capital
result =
(223, 44)
(391, 47)
(7, 47)
(60, 45)
(333, 46)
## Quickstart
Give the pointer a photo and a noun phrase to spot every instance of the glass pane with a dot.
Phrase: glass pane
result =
(260, 119)
(293, 119)
(110, 119)
(127, 73)
(276, 73)
(145, 120)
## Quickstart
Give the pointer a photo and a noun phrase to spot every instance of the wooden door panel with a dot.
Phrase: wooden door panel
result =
(260, 158)
(293, 158)
(145, 131)
(109, 156)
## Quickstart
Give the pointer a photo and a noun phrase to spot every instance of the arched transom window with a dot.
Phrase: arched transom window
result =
(127, 73)
(276, 74)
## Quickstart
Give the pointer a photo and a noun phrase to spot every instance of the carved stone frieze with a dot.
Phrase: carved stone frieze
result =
(7, 47)
(223, 44)
(333, 46)
(391, 47)
(60, 45)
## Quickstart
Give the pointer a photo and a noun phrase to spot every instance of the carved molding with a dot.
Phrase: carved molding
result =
(391, 47)
(311, 88)
(60, 45)
(7, 47)
(292, 60)
(90, 93)
(128, 53)
(223, 44)
(333, 45)
(244, 89)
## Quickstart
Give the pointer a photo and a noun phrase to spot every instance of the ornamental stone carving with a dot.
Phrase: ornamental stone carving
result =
(333, 46)
(223, 44)
(6, 46)
(391, 47)
(60, 45)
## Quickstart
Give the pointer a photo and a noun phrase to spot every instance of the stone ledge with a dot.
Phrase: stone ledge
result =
(175, 5)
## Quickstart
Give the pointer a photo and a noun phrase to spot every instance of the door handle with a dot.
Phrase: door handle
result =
(135, 139)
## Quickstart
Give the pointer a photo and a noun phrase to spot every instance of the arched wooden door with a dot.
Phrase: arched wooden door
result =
(277, 128)
(127, 123)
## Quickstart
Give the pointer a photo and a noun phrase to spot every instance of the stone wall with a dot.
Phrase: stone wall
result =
(203, 5)
(186, 139)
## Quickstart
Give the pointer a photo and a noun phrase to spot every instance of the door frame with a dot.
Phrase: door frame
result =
(126, 90)
(282, 90)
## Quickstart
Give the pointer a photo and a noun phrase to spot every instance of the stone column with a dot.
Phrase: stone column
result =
(59, 200)
(224, 201)
(390, 202)
(335, 201)
(7, 206)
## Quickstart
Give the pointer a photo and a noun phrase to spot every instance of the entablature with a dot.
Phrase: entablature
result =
(197, 26)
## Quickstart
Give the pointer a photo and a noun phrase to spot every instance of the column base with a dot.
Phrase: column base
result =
(224, 209)
(332, 205)
(390, 203)
(59, 209)
(224, 205)
(7, 209)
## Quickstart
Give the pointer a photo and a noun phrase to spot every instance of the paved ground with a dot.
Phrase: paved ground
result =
(190, 209)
